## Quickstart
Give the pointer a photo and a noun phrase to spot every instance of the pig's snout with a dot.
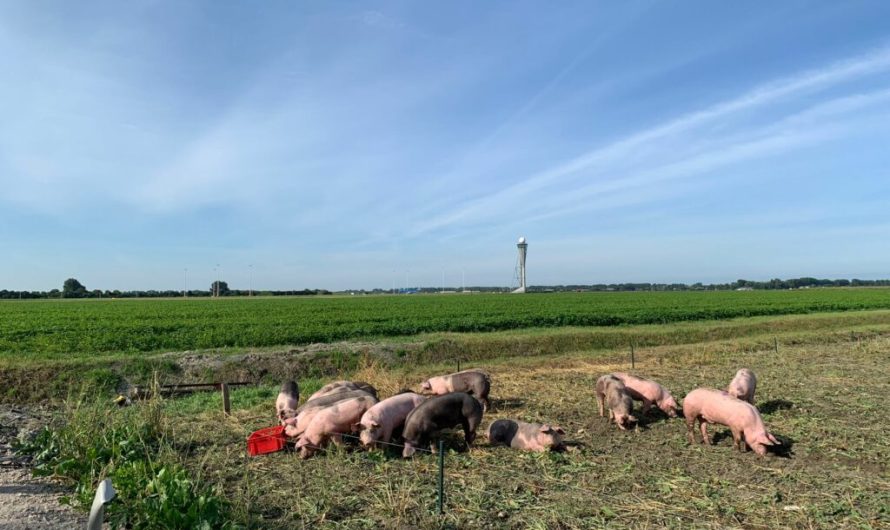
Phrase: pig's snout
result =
(627, 422)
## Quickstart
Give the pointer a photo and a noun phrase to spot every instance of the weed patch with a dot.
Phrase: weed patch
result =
(89, 442)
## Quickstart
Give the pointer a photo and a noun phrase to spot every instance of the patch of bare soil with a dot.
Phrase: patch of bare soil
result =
(277, 365)
(26, 502)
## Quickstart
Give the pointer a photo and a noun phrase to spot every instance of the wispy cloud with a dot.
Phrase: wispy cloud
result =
(651, 149)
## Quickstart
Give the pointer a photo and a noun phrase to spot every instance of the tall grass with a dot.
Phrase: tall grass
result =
(91, 440)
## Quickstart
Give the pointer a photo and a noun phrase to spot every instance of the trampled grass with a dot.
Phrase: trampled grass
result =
(71, 328)
(825, 401)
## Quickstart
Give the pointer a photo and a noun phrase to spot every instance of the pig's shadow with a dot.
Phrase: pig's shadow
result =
(507, 403)
(654, 416)
(775, 405)
(784, 450)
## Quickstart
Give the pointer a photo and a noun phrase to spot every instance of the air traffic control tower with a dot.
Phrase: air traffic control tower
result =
(523, 249)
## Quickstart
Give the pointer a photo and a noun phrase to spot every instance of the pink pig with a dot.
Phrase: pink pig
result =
(526, 436)
(378, 423)
(649, 392)
(296, 426)
(708, 405)
(287, 401)
(332, 422)
(474, 382)
(333, 388)
(611, 392)
(743, 385)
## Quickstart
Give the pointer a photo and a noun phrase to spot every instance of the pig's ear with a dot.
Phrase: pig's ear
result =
(545, 428)
(357, 427)
(560, 430)
(773, 439)
(426, 385)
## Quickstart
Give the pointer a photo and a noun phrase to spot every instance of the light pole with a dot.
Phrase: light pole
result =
(250, 281)
(185, 291)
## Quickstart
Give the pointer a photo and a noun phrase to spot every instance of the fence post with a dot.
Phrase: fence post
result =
(776, 344)
(633, 361)
(227, 408)
(458, 365)
(441, 497)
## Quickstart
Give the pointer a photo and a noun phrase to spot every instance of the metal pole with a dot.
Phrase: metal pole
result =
(441, 499)
(776, 344)
(633, 362)
(458, 365)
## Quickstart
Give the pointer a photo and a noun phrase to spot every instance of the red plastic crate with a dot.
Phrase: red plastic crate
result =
(268, 440)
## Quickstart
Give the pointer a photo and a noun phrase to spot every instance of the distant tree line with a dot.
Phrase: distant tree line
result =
(74, 289)
(793, 283)
(774, 284)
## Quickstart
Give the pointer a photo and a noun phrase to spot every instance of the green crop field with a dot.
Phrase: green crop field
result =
(65, 327)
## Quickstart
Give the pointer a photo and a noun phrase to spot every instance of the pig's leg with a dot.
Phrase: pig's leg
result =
(647, 405)
(737, 442)
(703, 426)
(469, 432)
(599, 399)
(434, 447)
(690, 430)
(486, 404)
(337, 438)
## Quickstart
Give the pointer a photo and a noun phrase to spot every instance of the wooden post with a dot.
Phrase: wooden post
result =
(458, 365)
(227, 407)
(633, 361)
(776, 344)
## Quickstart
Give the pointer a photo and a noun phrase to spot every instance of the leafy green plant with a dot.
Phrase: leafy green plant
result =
(131, 446)
(165, 497)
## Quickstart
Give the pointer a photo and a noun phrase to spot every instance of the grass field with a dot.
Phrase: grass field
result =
(65, 328)
(822, 393)
(824, 401)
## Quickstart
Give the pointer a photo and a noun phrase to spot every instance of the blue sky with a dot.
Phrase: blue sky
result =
(357, 145)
